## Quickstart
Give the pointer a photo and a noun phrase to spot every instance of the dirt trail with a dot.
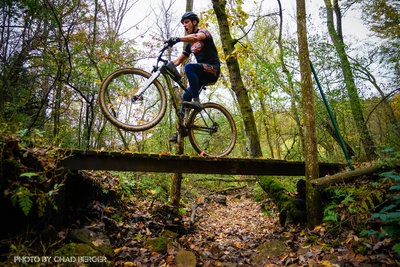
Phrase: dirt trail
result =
(231, 233)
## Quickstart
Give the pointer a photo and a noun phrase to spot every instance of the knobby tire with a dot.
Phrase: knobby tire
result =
(212, 131)
(120, 109)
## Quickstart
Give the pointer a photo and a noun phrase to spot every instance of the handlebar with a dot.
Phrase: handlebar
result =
(168, 64)
(161, 54)
(155, 68)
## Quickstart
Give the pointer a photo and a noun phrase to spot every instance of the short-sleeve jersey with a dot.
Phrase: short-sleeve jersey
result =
(204, 50)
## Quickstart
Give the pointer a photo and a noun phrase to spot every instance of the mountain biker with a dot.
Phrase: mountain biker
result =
(206, 70)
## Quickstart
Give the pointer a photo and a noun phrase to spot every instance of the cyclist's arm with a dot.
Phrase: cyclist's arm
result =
(192, 38)
(179, 60)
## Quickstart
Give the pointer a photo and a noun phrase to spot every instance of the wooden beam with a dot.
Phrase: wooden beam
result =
(139, 162)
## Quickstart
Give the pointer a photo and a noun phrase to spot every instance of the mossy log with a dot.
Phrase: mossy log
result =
(349, 176)
(289, 208)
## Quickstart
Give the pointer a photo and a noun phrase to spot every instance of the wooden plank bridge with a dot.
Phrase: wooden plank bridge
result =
(143, 162)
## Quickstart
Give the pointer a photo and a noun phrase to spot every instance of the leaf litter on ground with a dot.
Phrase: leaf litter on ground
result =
(234, 235)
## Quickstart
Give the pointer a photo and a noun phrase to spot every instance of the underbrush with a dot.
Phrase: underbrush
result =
(370, 208)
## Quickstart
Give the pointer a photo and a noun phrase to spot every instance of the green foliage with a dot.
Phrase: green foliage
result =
(330, 213)
(258, 193)
(20, 248)
(29, 138)
(23, 196)
(389, 215)
(46, 198)
(360, 201)
(147, 185)
(182, 210)
(29, 174)
(390, 156)
(382, 17)
(118, 218)
(340, 198)
(138, 237)
(396, 248)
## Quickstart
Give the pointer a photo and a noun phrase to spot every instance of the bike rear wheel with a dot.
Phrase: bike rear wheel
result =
(122, 109)
(212, 130)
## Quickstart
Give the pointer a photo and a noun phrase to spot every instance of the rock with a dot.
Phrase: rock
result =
(273, 248)
(76, 249)
(97, 240)
(302, 251)
(169, 234)
(220, 199)
(158, 244)
(78, 253)
(185, 258)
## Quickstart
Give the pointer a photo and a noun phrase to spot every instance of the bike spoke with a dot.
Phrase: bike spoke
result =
(126, 110)
(212, 130)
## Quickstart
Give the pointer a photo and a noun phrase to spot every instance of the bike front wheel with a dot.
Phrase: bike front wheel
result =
(125, 111)
(212, 130)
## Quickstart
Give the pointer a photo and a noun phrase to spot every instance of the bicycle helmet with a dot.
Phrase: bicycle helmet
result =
(190, 15)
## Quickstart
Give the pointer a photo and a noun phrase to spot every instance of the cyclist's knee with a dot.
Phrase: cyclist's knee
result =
(193, 67)
(189, 67)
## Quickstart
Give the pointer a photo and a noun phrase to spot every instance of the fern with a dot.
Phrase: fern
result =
(396, 248)
(23, 196)
(25, 203)
(330, 213)
(390, 214)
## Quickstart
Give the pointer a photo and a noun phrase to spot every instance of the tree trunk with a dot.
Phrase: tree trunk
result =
(238, 87)
(385, 103)
(176, 183)
(267, 131)
(269, 184)
(289, 79)
(355, 103)
(289, 211)
(314, 208)
(328, 127)
(57, 110)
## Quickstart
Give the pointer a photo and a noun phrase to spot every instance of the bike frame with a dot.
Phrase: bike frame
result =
(198, 124)
(168, 75)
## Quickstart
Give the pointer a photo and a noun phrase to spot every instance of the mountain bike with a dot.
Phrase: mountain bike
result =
(135, 100)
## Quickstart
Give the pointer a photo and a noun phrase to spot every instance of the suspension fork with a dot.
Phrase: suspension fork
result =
(152, 78)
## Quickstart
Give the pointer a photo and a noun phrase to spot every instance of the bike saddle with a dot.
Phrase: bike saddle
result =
(205, 84)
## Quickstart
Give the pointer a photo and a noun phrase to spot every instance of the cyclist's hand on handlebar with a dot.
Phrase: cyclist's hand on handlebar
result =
(172, 41)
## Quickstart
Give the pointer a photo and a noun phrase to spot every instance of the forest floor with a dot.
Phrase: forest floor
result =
(98, 215)
(241, 233)
(232, 230)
